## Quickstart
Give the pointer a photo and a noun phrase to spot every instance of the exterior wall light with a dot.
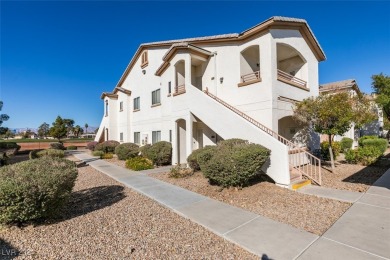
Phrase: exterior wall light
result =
(143, 72)
(221, 80)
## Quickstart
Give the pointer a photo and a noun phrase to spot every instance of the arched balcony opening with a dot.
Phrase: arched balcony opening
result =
(292, 67)
(250, 65)
(179, 78)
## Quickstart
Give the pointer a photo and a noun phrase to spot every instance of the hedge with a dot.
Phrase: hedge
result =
(127, 150)
(233, 163)
(346, 144)
(139, 163)
(336, 148)
(107, 146)
(35, 189)
(379, 143)
(159, 153)
(365, 155)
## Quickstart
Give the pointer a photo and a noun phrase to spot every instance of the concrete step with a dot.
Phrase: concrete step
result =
(300, 184)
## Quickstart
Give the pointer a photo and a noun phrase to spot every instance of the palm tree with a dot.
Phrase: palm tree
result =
(77, 130)
(86, 128)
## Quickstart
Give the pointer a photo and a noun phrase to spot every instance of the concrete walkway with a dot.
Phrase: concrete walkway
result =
(329, 193)
(363, 232)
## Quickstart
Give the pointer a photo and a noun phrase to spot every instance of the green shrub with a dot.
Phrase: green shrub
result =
(160, 153)
(91, 145)
(126, 150)
(379, 143)
(139, 163)
(145, 150)
(336, 148)
(346, 144)
(365, 155)
(72, 147)
(233, 164)
(35, 189)
(361, 139)
(233, 142)
(57, 146)
(107, 156)
(34, 154)
(206, 155)
(51, 153)
(192, 159)
(10, 148)
(180, 172)
(98, 153)
(107, 146)
(3, 159)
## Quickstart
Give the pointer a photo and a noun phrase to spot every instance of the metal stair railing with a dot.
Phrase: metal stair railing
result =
(309, 166)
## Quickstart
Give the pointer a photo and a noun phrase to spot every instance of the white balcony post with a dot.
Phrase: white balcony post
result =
(175, 152)
(189, 135)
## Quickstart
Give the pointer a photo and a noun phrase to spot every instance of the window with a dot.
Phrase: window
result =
(170, 136)
(156, 136)
(121, 137)
(144, 59)
(136, 104)
(169, 87)
(121, 106)
(156, 97)
(106, 107)
(137, 137)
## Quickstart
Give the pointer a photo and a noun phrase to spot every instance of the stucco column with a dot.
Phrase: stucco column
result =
(189, 134)
(175, 152)
(187, 70)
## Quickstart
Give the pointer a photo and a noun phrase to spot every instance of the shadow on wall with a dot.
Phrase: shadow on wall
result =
(7, 251)
(368, 175)
(86, 201)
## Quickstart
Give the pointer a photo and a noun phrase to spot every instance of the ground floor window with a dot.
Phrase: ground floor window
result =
(156, 136)
(121, 137)
(170, 136)
(137, 137)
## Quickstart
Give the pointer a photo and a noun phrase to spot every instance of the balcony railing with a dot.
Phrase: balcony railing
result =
(250, 77)
(179, 90)
(289, 79)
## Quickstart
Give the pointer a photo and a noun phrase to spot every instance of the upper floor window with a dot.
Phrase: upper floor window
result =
(156, 97)
(136, 104)
(121, 106)
(121, 137)
(106, 107)
(144, 59)
(169, 87)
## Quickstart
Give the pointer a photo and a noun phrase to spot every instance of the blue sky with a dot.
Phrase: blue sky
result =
(58, 57)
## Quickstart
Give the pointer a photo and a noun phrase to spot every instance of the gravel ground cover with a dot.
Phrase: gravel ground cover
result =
(354, 177)
(105, 220)
(310, 213)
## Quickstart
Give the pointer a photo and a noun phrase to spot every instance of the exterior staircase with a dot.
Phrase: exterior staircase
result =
(301, 162)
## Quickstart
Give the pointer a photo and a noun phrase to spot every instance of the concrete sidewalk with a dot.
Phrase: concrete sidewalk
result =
(363, 232)
(341, 195)
(257, 234)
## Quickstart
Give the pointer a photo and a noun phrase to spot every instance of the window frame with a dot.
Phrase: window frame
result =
(156, 136)
(144, 59)
(154, 97)
(137, 101)
(138, 134)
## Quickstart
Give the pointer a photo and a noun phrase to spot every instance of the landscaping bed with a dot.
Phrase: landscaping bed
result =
(354, 177)
(310, 213)
(106, 220)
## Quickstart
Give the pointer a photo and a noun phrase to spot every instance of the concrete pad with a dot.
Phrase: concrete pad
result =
(264, 236)
(381, 186)
(375, 200)
(341, 195)
(171, 196)
(216, 216)
(325, 249)
(365, 227)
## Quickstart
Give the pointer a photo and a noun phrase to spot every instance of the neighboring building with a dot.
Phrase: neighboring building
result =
(350, 86)
(194, 92)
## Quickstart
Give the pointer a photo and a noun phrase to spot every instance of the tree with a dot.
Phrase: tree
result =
(86, 128)
(69, 125)
(43, 130)
(58, 130)
(381, 86)
(27, 134)
(3, 117)
(334, 114)
(9, 134)
(78, 130)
